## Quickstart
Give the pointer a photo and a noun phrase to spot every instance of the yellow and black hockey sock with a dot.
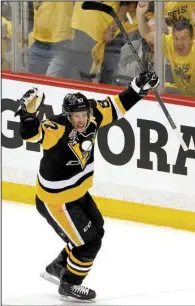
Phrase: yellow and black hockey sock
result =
(77, 270)
(68, 248)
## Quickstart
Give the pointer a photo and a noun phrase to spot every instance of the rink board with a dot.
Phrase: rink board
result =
(141, 173)
(149, 214)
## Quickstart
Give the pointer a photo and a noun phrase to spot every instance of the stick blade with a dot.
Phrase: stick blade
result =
(98, 6)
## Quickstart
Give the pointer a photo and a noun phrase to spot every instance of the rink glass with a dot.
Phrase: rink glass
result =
(56, 53)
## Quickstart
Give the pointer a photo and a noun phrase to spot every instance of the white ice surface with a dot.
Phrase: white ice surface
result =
(138, 264)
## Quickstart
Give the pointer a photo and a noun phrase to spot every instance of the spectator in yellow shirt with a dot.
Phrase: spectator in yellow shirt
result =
(98, 40)
(179, 48)
(52, 33)
(175, 11)
(6, 29)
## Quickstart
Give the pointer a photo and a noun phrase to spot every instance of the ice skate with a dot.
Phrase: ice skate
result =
(54, 269)
(71, 292)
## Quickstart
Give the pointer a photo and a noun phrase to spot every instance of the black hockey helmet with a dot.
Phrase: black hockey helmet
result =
(75, 102)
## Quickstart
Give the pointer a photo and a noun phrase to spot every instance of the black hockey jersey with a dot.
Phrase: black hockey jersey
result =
(66, 168)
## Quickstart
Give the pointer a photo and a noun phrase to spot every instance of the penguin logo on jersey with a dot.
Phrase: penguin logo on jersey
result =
(81, 146)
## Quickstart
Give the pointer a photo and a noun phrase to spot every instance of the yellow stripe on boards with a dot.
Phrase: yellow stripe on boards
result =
(18, 192)
(149, 214)
(76, 272)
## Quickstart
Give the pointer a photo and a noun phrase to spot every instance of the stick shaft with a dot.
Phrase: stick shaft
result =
(161, 103)
(92, 5)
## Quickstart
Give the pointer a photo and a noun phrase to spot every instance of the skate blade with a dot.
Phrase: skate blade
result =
(75, 300)
(50, 278)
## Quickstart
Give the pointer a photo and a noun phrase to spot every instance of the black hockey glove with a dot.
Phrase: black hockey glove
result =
(30, 103)
(145, 81)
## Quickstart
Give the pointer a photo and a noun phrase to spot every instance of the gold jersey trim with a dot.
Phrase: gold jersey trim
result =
(65, 196)
(60, 215)
(119, 104)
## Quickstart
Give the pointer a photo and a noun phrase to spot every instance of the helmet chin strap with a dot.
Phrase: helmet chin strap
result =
(68, 117)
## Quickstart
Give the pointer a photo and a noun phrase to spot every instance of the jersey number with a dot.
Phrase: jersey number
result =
(51, 125)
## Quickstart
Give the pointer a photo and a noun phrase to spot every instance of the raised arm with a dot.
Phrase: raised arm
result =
(109, 34)
(46, 133)
(30, 102)
(145, 30)
(114, 108)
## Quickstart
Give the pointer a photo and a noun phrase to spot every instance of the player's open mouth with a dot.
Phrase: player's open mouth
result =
(81, 127)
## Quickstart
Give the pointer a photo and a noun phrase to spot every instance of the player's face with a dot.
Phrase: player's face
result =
(182, 42)
(79, 120)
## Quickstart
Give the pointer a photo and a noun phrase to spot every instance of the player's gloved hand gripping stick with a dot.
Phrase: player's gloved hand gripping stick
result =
(93, 5)
(30, 102)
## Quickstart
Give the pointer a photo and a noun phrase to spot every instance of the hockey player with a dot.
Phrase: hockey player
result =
(66, 174)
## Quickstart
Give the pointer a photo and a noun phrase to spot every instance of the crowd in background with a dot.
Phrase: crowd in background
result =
(68, 42)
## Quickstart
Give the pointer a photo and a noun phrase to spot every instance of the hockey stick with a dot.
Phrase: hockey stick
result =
(98, 6)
